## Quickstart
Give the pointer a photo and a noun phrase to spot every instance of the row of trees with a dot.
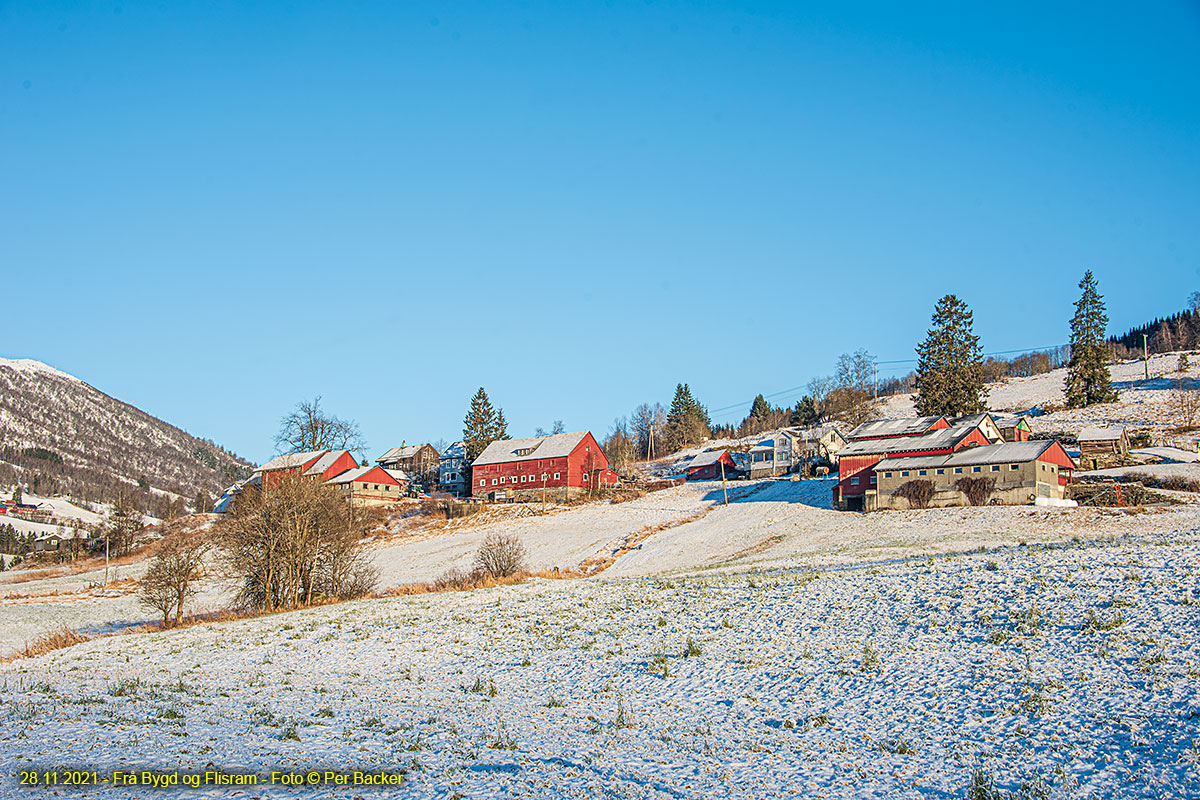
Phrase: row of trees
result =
(1176, 332)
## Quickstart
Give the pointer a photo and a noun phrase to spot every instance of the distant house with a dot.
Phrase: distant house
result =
(1101, 445)
(820, 443)
(371, 486)
(567, 464)
(711, 465)
(1015, 430)
(454, 473)
(417, 460)
(1019, 472)
(771, 457)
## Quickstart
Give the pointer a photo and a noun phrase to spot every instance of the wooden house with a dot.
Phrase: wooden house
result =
(420, 461)
(1016, 430)
(1100, 446)
(562, 464)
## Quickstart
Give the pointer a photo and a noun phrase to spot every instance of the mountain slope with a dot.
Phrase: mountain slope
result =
(61, 435)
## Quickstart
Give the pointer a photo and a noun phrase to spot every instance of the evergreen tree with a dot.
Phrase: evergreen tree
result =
(483, 425)
(805, 414)
(16, 496)
(1088, 379)
(687, 421)
(760, 409)
(950, 363)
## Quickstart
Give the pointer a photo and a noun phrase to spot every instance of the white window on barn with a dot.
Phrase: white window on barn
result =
(493, 481)
(483, 481)
(556, 476)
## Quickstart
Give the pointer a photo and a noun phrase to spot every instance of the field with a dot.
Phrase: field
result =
(1070, 668)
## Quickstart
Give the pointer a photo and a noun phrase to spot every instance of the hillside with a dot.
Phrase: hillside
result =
(59, 435)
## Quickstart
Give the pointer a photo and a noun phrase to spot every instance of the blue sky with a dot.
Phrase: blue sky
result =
(214, 210)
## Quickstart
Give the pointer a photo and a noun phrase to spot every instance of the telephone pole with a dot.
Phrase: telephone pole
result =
(1146, 356)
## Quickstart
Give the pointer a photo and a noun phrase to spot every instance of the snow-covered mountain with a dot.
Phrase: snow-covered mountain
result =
(63, 436)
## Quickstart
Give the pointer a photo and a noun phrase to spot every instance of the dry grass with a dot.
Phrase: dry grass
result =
(455, 580)
(48, 642)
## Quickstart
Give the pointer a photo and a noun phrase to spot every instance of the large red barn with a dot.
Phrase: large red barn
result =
(567, 464)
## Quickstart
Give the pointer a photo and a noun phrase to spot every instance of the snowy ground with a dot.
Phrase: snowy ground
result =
(1074, 665)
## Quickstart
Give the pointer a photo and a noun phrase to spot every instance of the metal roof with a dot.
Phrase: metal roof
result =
(291, 460)
(356, 474)
(941, 439)
(398, 453)
(555, 445)
(1110, 433)
(905, 426)
(1003, 453)
(706, 458)
(325, 462)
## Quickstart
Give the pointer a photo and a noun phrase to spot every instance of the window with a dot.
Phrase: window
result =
(556, 476)
(958, 470)
(922, 472)
(904, 473)
(483, 481)
(522, 479)
(995, 468)
(975, 469)
(941, 472)
(493, 481)
(873, 480)
(854, 481)
(887, 474)
(544, 476)
(1013, 466)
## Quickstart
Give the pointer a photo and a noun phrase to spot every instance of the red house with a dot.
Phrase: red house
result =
(317, 465)
(856, 486)
(711, 465)
(569, 464)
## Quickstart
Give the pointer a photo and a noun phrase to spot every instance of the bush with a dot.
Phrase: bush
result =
(918, 493)
(977, 490)
(500, 556)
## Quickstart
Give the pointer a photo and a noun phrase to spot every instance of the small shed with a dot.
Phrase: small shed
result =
(1015, 430)
(1097, 442)
(711, 465)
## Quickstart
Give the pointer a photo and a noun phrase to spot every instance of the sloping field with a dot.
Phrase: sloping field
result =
(1069, 670)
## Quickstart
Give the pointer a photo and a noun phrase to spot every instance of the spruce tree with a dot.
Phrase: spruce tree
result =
(805, 415)
(1088, 379)
(687, 421)
(950, 363)
(760, 409)
(483, 425)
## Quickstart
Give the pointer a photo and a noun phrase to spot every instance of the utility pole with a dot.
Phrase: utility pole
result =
(876, 366)
(1146, 356)
(106, 558)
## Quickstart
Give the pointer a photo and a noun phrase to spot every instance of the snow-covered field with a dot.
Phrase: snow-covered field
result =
(1073, 666)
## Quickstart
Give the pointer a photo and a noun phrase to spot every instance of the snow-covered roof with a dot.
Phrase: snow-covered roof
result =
(325, 462)
(1005, 424)
(399, 453)
(1110, 433)
(904, 426)
(456, 450)
(351, 475)
(941, 439)
(816, 433)
(555, 445)
(1003, 453)
(290, 461)
(706, 458)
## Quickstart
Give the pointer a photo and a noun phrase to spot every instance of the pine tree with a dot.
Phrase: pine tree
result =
(483, 425)
(760, 409)
(687, 421)
(805, 415)
(950, 363)
(1088, 379)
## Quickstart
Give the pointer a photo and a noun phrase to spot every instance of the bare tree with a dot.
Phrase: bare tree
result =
(170, 580)
(500, 556)
(123, 523)
(308, 427)
(294, 544)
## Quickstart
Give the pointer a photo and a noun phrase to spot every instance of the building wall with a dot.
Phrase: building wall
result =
(1017, 486)
(343, 462)
(539, 473)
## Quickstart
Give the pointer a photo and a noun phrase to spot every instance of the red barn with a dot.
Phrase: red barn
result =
(317, 465)
(856, 487)
(569, 464)
(711, 465)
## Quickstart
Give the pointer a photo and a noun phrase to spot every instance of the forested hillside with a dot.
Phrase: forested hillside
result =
(58, 435)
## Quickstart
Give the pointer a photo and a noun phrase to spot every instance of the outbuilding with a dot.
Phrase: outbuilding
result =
(711, 465)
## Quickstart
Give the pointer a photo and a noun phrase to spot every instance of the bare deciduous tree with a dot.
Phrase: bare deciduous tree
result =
(308, 427)
(170, 580)
(296, 543)
(500, 556)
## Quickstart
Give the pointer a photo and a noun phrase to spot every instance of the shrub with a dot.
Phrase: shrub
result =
(56, 640)
(500, 556)
(977, 490)
(918, 493)
(691, 649)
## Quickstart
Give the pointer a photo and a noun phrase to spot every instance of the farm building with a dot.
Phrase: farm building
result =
(274, 470)
(417, 460)
(709, 465)
(371, 486)
(568, 464)
(1016, 473)
(857, 483)
(1015, 430)
(1101, 446)
(453, 470)
(330, 465)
